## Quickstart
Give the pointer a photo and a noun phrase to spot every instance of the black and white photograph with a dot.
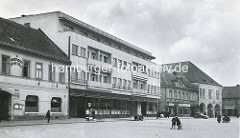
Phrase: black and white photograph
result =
(119, 68)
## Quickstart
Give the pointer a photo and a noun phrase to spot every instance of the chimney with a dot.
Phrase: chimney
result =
(237, 85)
(23, 15)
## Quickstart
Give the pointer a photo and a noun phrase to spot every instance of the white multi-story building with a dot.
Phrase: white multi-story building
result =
(210, 92)
(111, 93)
(28, 87)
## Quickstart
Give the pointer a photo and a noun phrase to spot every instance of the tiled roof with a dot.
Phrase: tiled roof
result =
(29, 40)
(169, 80)
(195, 74)
(231, 92)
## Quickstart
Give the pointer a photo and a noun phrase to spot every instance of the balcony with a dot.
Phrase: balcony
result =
(139, 75)
(97, 63)
(78, 81)
(139, 91)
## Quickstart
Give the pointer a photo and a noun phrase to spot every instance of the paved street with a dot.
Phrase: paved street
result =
(149, 128)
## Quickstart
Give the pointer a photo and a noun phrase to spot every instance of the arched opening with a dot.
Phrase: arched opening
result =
(210, 110)
(31, 103)
(217, 109)
(202, 108)
(5, 105)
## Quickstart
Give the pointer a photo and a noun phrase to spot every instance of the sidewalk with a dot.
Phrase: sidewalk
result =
(69, 121)
(56, 121)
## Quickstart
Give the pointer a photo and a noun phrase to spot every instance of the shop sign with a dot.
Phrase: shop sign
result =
(16, 61)
(16, 96)
(170, 104)
(229, 106)
(184, 105)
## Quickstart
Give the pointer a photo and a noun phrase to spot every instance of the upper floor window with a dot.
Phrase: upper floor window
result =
(170, 94)
(105, 59)
(129, 85)
(5, 64)
(26, 68)
(124, 83)
(74, 50)
(135, 84)
(119, 83)
(114, 82)
(175, 94)
(210, 94)
(39, 71)
(114, 62)
(51, 73)
(93, 55)
(83, 52)
(217, 94)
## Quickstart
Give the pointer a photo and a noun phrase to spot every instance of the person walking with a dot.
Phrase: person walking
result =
(219, 117)
(178, 123)
(174, 120)
(48, 115)
(237, 114)
(93, 113)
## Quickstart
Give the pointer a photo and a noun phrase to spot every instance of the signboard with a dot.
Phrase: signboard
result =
(229, 107)
(184, 105)
(170, 104)
(16, 61)
(16, 96)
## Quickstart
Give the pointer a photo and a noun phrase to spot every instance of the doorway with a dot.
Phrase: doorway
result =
(5, 105)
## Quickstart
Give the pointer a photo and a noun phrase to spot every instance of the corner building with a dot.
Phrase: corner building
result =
(28, 86)
(112, 93)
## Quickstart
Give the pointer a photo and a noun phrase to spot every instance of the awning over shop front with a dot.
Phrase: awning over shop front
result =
(108, 95)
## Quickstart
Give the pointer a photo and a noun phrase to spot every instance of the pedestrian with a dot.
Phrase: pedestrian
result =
(219, 117)
(178, 123)
(237, 114)
(48, 115)
(93, 114)
(174, 120)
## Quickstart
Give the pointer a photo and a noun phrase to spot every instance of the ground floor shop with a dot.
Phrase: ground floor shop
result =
(176, 109)
(24, 103)
(110, 105)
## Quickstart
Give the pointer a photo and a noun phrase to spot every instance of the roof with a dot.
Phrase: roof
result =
(169, 80)
(194, 74)
(231, 92)
(96, 30)
(35, 41)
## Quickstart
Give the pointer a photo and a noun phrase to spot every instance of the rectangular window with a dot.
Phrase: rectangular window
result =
(5, 64)
(114, 62)
(114, 82)
(135, 84)
(61, 77)
(200, 95)
(105, 79)
(105, 59)
(119, 83)
(217, 94)
(170, 94)
(129, 85)
(93, 77)
(93, 56)
(83, 52)
(56, 104)
(67, 28)
(120, 63)
(175, 94)
(31, 103)
(39, 71)
(51, 73)
(26, 68)
(129, 66)
(149, 88)
(187, 97)
(75, 50)
(124, 84)
(203, 93)
(210, 94)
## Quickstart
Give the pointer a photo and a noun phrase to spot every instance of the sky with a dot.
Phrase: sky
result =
(205, 32)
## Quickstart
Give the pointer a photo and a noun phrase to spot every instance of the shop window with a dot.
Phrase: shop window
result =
(31, 103)
(56, 104)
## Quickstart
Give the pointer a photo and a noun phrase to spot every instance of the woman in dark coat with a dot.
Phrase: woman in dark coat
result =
(178, 123)
(48, 115)
(174, 120)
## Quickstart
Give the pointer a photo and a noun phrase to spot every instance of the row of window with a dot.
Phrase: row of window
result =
(181, 95)
(135, 67)
(78, 51)
(121, 83)
(32, 104)
(38, 70)
(137, 84)
(210, 94)
(103, 78)
(104, 41)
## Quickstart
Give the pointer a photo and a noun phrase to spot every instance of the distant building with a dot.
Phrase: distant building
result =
(210, 92)
(178, 96)
(112, 93)
(231, 100)
(28, 86)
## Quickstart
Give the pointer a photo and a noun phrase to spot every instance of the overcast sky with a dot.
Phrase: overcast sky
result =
(205, 32)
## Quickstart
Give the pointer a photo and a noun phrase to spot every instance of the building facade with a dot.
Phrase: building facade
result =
(210, 92)
(178, 96)
(102, 86)
(231, 101)
(28, 87)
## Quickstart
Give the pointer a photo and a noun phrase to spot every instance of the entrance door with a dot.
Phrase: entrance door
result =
(5, 105)
(144, 108)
